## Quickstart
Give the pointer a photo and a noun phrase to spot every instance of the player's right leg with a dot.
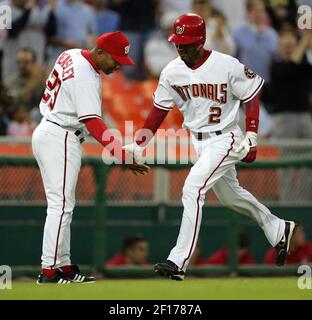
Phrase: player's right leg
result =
(277, 231)
(215, 158)
(59, 157)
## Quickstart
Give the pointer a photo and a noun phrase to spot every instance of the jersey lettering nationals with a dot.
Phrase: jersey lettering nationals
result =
(215, 92)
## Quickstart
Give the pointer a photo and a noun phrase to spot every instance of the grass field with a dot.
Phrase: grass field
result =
(201, 289)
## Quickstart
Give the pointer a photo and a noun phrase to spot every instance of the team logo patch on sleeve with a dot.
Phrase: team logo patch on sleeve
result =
(249, 73)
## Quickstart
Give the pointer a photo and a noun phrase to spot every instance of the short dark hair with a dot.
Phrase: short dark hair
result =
(131, 241)
(29, 50)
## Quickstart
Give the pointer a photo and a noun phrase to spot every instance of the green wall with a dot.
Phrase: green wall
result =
(21, 230)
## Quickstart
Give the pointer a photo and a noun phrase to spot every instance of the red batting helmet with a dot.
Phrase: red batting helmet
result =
(189, 28)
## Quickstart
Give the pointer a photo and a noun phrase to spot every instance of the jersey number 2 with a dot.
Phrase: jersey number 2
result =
(52, 89)
(215, 114)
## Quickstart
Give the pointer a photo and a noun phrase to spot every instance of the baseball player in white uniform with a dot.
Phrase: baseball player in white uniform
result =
(207, 87)
(71, 108)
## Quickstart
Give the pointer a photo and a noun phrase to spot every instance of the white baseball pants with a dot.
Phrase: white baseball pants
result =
(58, 154)
(215, 168)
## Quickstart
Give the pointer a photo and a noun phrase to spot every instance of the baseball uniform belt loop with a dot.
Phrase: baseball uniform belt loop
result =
(77, 132)
(206, 135)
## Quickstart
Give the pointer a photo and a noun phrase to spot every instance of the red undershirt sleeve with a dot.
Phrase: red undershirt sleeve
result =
(252, 114)
(101, 133)
(152, 123)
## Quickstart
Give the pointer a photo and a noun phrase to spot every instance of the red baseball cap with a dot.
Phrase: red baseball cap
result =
(117, 45)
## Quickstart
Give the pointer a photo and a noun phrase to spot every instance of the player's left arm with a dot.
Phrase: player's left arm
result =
(249, 143)
(246, 86)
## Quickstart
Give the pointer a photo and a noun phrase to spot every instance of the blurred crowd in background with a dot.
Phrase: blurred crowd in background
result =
(263, 34)
(135, 252)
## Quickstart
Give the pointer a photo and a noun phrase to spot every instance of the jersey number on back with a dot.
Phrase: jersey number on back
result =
(215, 114)
(52, 89)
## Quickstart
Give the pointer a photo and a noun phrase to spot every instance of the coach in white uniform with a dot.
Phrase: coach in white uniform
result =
(71, 104)
(207, 87)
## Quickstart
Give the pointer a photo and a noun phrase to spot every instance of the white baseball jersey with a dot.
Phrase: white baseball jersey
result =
(208, 96)
(73, 91)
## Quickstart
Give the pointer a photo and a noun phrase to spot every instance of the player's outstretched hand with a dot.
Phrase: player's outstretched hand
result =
(137, 168)
(249, 146)
(133, 164)
(136, 150)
